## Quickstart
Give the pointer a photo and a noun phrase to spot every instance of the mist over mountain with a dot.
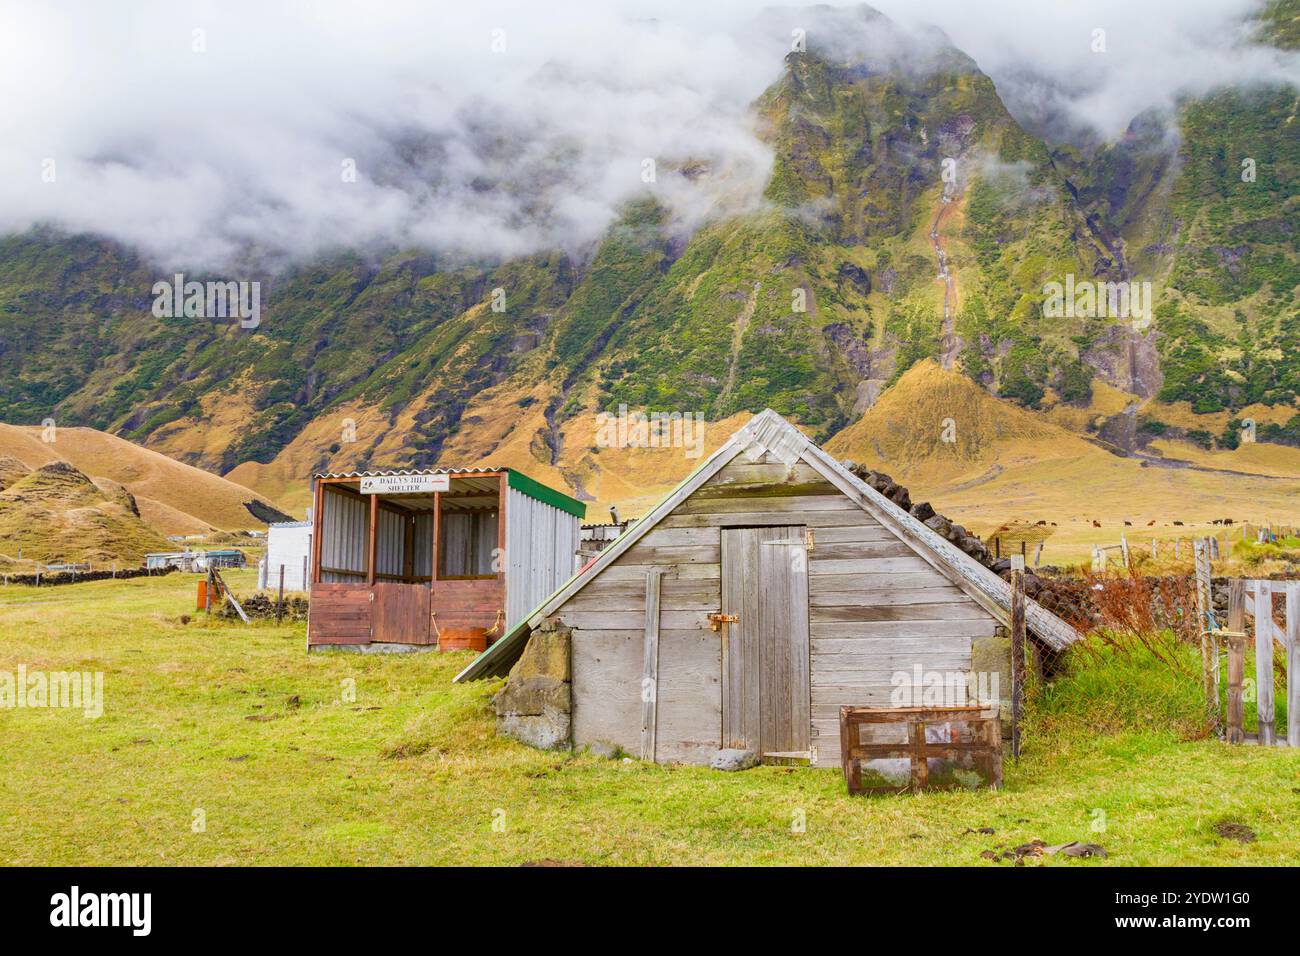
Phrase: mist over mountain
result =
(474, 229)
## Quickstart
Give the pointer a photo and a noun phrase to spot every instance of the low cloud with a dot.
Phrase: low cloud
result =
(213, 132)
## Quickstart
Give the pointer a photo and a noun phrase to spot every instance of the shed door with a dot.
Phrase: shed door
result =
(765, 690)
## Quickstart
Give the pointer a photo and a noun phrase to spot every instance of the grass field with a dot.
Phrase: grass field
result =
(239, 727)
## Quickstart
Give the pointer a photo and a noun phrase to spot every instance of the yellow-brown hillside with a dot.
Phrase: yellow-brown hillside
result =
(56, 513)
(940, 429)
(173, 497)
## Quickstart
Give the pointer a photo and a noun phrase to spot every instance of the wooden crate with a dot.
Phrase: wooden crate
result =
(980, 750)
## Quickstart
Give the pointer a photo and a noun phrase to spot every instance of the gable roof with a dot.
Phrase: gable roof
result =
(767, 432)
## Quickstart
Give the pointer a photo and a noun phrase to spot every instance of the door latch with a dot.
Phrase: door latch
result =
(717, 620)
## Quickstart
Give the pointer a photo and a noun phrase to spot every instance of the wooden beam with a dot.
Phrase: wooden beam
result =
(1209, 643)
(1264, 662)
(1236, 641)
(1293, 663)
(317, 523)
(372, 540)
(500, 556)
(1017, 656)
(650, 665)
(437, 537)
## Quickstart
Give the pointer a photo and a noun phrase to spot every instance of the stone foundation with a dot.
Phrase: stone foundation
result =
(536, 703)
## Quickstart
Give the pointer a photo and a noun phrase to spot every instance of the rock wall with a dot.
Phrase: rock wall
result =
(536, 704)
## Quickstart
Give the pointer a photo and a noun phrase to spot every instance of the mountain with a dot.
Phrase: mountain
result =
(909, 219)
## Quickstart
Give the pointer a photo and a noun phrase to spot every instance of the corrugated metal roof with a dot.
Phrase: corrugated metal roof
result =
(486, 469)
(474, 480)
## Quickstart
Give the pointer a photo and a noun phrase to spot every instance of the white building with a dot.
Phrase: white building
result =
(288, 543)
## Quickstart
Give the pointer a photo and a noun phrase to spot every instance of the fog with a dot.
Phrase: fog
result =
(203, 134)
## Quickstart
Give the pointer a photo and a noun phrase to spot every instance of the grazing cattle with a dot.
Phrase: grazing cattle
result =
(1096, 524)
(1128, 524)
(1178, 524)
(1151, 522)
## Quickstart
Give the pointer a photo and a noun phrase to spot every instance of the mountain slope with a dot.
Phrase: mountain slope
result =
(55, 513)
(909, 217)
(173, 498)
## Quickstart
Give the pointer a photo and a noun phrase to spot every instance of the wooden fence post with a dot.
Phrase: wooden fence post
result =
(1236, 641)
(1209, 643)
(279, 604)
(1264, 662)
(1293, 664)
(1017, 652)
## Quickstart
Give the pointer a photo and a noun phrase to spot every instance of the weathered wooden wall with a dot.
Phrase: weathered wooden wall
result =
(876, 609)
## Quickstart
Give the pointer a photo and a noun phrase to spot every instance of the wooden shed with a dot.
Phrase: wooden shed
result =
(766, 591)
(448, 557)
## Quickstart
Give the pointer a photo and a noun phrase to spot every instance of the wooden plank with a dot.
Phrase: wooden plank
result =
(690, 554)
(1293, 663)
(866, 550)
(1018, 637)
(372, 540)
(913, 564)
(758, 519)
(634, 574)
(317, 518)
(906, 597)
(678, 537)
(792, 507)
(1206, 623)
(864, 630)
(650, 663)
(1236, 642)
(966, 610)
(912, 581)
(1264, 662)
(632, 620)
(863, 648)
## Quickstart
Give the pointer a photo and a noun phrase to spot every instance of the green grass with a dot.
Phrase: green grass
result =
(411, 772)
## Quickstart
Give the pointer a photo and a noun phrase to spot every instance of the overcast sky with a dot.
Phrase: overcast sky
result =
(193, 131)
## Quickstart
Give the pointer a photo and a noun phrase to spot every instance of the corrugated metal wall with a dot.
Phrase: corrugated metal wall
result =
(468, 540)
(343, 536)
(424, 546)
(541, 552)
(390, 546)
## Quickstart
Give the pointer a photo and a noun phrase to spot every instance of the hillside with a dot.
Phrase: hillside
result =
(1008, 464)
(55, 513)
(171, 497)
